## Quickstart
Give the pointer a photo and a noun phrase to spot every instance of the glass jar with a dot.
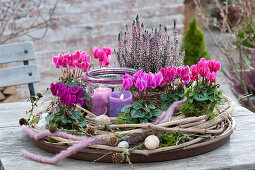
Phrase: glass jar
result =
(100, 83)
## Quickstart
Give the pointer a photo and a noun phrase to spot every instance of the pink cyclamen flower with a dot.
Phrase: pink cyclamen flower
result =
(95, 50)
(194, 70)
(151, 80)
(85, 66)
(108, 50)
(158, 78)
(179, 70)
(127, 81)
(107, 60)
(212, 77)
(202, 63)
(141, 84)
(101, 55)
(216, 66)
(55, 61)
(204, 71)
(186, 79)
(137, 75)
(70, 99)
(184, 72)
(64, 62)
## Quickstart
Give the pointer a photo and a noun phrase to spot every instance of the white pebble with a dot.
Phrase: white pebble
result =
(123, 144)
(151, 142)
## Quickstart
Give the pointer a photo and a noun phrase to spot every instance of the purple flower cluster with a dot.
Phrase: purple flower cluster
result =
(68, 96)
(142, 80)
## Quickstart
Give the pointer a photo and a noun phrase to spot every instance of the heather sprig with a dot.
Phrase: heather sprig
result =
(72, 65)
(141, 49)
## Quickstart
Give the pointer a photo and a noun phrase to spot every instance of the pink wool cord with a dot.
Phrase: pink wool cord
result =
(84, 142)
(62, 155)
(165, 116)
(44, 133)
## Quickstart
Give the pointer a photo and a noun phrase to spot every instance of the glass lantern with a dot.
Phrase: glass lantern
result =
(100, 83)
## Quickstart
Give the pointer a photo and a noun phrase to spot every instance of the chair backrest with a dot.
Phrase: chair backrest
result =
(24, 74)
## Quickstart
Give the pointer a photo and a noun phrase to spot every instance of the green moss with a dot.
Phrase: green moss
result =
(170, 139)
(194, 44)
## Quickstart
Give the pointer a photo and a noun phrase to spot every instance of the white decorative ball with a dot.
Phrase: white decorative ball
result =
(123, 144)
(103, 119)
(151, 142)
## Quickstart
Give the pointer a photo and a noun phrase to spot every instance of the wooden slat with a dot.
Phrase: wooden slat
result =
(18, 75)
(16, 52)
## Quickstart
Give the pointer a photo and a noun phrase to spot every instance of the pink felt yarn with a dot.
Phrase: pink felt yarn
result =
(84, 142)
(165, 116)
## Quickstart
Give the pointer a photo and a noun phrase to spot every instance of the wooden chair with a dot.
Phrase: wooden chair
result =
(24, 74)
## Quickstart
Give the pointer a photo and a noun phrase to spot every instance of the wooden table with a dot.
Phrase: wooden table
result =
(238, 153)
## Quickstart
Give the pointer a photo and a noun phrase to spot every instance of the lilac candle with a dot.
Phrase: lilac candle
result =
(100, 101)
(117, 100)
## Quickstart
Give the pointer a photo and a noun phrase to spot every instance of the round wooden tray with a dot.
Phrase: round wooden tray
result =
(88, 154)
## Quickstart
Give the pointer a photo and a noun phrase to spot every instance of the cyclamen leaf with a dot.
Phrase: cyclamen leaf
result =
(126, 109)
(148, 116)
(203, 96)
(156, 112)
(137, 105)
(137, 113)
(165, 105)
(82, 122)
(63, 119)
(151, 106)
(144, 120)
(50, 117)
(165, 97)
(147, 109)
(153, 119)
(211, 98)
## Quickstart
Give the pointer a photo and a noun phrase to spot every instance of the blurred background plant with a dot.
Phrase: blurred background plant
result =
(194, 44)
(236, 43)
(140, 49)
(14, 13)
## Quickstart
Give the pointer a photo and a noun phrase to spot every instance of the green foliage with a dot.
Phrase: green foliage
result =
(247, 34)
(65, 118)
(168, 99)
(170, 139)
(194, 44)
(225, 2)
(202, 99)
(69, 82)
(138, 112)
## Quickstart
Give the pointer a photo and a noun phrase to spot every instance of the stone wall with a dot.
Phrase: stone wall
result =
(84, 24)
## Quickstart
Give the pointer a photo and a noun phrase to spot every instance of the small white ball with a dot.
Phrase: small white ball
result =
(103, 119)
(151, 142)
(123, 144)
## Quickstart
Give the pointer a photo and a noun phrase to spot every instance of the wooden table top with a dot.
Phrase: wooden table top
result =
(238, 153)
